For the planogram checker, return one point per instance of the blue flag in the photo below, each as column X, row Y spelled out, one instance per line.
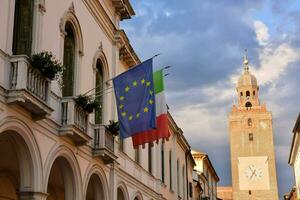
column 135, row 99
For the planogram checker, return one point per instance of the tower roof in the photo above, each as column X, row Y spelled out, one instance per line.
column 246, row 79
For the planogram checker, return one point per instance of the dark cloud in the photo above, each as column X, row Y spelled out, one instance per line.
column 190, row 34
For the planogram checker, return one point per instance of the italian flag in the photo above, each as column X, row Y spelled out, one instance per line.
column 162, row 130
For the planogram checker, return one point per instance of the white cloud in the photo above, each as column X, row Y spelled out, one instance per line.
column 261, row 31
column 274, row 61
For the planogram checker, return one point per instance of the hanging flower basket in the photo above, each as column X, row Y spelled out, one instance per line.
column 86, row 103
column 46, row 63
column 113, row 127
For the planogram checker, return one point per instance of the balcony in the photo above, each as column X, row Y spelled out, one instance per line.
column 104, row 144
column 74, row 122
column 28, row 88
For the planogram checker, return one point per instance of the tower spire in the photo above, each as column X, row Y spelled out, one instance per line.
column 246, row 62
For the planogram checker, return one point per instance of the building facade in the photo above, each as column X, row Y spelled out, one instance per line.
column 251, row 143
column 49, row 147
column 294, row 158
column 207, row 175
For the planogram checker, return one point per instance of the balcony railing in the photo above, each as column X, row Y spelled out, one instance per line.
column 74, row 121
column 104, row 144
column 29, row 88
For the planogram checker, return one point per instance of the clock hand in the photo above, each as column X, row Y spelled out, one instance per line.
column 253, row 173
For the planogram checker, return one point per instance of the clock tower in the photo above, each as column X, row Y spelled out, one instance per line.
column 251, row 143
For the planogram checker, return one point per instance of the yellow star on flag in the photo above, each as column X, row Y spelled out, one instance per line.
column 123, row 114
column 134, row 83
column 143, row 81
column 150, row 92
column 146, row 109
column 122, row 98
column 137, row 115
column 127, row 89
column 130, row 117
column 121, row 106
column 151, row 101
column 148, row 83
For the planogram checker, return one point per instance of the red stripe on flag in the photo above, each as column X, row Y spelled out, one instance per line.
column 162, row 131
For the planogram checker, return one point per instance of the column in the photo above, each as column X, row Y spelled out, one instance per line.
column 28, row 195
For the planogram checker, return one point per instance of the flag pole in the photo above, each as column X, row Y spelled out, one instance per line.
column 114, row 77
column 101, row 91
column 135, row 66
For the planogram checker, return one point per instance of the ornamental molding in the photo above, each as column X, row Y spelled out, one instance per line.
column 69, row 16
column 126, row 52
column 123, row 9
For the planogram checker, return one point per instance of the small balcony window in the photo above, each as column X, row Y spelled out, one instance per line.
column 251, row 137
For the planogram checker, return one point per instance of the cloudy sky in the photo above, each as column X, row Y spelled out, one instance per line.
column 204, row 41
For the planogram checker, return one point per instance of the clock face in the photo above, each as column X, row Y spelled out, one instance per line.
column 253, row 173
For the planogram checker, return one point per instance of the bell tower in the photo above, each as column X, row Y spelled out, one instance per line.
column 247, row 88
column 251, row 143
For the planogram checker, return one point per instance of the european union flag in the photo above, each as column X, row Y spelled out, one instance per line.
column 135, row 99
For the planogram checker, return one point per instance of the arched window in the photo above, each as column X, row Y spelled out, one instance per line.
column 22, row 38
column 162, row 162
column 183, row 182
column 249, row 122
column 178, row 178
column 99, row 91
column 69, row 61
column 241, row 93
column 247, row 93
column 248, row 105
column 137, row 155
column 170, row 166
column 253, row 93
column 150, row 158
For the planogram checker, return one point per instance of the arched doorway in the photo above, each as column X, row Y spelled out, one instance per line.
column 95, row 189
column 120, row 194
column 16, row 166
column 61, row 182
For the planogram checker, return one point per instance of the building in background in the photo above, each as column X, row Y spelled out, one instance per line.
column 294, row 158
column 224, row 192
column 207, row 175
column 251, row 143
column 292, row 195
column 51, row 148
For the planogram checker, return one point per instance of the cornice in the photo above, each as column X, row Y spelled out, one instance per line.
column 101, row 17
column 123, row 9
column 297, row 125
column 127, row 53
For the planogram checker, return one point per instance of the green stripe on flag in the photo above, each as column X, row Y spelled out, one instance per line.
column 158, row 81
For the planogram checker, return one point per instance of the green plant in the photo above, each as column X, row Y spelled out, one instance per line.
column 86, row 103
column 113, row 127
column 46, row 63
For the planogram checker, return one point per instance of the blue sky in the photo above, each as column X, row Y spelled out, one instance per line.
column 204, row 41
